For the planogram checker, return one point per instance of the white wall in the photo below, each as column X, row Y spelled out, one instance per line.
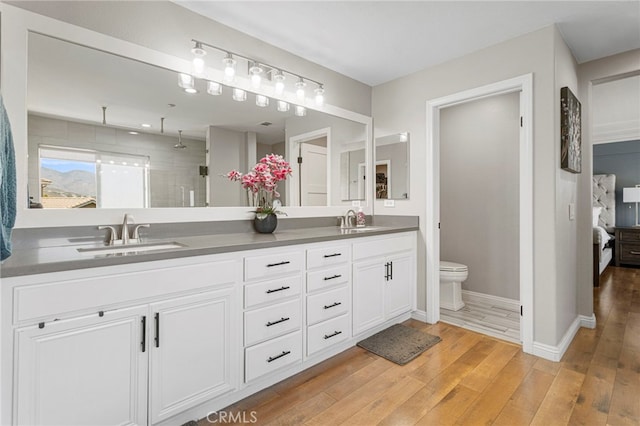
column 479, row 189
column 616, row 110
column 600, row 70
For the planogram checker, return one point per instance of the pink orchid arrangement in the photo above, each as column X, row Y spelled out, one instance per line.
column 261, row 182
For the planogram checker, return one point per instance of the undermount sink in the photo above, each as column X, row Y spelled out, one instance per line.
column 363, row 229
column 130, row 249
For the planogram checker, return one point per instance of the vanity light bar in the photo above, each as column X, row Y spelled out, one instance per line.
column 256, row 70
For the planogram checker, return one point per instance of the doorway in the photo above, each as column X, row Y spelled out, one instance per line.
column 524, row 86
column 311, row 188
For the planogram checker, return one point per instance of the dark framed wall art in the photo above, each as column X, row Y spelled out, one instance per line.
column 570, row 132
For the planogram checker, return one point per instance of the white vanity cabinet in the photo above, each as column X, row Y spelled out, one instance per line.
column 328, row 296
column 85, row 362
column 273, row 311
column 383, row 279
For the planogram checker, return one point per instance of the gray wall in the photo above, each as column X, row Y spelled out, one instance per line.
column 396, row 153
column 170, row 169
column 479, row 192
column 227, row 151
column 623, row 160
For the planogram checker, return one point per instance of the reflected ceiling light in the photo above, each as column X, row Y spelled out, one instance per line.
column 186, row 81
column 198, row 59
column 282, row 106
column 145, row 125
column 279, row 79
column 300, row 85
column 404, row 136
column 319, row 95
column 255, row 71
column 214, row 88
column 239, row 95
column 262, row 101
column 133, row 133
column 191, row 91
column 229, row 67
column 300, row 111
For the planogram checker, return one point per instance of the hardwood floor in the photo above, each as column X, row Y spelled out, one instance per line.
column 473, row 379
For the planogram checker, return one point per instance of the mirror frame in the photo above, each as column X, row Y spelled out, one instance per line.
column 15, row 27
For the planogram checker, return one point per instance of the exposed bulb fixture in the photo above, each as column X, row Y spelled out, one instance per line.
column 239, row 95
column 186, row 81
column 198, row 58
column 279, row 79
column 300, row 85
column 282, row 106
column 319, row 95
column 214, row 88
column 255, row 71
column 229, row 67
column 262, row 101
column 300, row 111
column 179, row 145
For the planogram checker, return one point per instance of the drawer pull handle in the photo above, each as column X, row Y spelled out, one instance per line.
column 333, row 305
column 278, row 289
column 329, row 336
column 273, row 358
column 332, row 255
column 333, row 277
column 283, row 319
column 634, row 252
column 271, row 265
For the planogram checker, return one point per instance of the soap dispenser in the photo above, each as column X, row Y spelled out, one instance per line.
column 360, row 218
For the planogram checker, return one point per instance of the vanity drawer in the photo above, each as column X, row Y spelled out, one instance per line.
column 270, row 265
column 327, row 277
column 327, row 305
column 269, row 356
column 326, row 334
column 265, row 323
column 383, row 246
column 327, row 256
column 271, row 291
column 630, row 253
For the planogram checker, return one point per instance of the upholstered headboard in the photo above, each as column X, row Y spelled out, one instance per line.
column 604, row 195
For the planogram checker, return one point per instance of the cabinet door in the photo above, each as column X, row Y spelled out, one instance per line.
column 191, row 352
column 399, row 288
column 368, row 294
column 88, row 370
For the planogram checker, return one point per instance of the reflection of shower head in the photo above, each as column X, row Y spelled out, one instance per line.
column 179, row 145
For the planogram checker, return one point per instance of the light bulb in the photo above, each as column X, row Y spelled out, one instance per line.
column 279, row 78
column 319, row 95
column 300, row 111
column 256, row 78
column 262, row 101
column 239, row 95
column 214, row 88
column 198, row 60
column 186, row 81
column 190, row 90
column 229, row 67
column 300, row 85
column 282, row 106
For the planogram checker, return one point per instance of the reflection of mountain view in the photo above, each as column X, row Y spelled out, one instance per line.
column 69, row 184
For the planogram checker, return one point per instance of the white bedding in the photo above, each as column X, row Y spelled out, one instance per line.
column 604, row 236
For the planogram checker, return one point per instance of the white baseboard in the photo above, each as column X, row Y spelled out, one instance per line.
column 419, row 315
column 500, row 302
column 588, row 322
column 555, row 353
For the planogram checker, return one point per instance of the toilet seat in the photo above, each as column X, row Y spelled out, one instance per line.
column 452, row 267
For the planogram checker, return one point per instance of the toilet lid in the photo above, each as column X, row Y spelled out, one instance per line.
column 452, row 266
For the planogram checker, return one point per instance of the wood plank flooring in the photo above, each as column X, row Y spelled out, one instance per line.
column 487, row 319
column 474, row 379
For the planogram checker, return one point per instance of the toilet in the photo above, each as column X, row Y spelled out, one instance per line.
column 451, row 277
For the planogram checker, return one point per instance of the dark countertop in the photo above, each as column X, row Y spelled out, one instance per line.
column 39, row 260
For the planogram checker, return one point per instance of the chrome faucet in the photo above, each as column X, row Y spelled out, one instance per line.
column 349, row 219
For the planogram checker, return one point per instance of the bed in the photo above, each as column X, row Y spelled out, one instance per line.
column 604, row 222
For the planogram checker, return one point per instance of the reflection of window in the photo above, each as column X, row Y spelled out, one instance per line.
column 74, row 178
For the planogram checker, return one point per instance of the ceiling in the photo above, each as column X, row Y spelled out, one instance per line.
column 378, row 41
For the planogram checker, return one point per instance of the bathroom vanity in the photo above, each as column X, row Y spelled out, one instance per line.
column 176, row 334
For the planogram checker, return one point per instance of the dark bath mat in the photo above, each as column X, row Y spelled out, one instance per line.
column 399, row 343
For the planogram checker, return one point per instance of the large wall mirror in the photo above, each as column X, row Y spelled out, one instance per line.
column 392, row 166
column 107, row 131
